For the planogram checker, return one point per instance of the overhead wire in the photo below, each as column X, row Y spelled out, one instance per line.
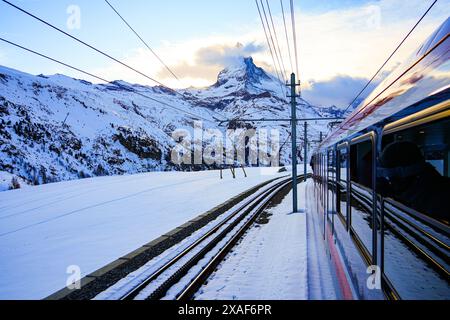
column 103, row 79
column 270, row 49
column 276, row 41
column 294, row 36
column 268, row 41
column 390, row 57
column 294, row 33
column 94, row 48
column 85, row 44
column 142, row 40
column 271, row 38
column 287, row 37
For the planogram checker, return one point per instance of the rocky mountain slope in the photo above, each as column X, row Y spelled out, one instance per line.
column 55, row 128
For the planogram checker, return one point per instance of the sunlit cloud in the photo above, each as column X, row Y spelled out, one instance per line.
column 196, row 62
column 208, row 61
column 218, row 55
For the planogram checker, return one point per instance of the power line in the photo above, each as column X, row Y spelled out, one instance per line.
column 271, row 38
column 95, row 49
column 150, row 49
column 102, row 79
column 287, row 120
column 276, row 40
column 295, row 36
column 259, row 111
column 54, row 60
column 287, row 37
column 268, row 41
column 389, row 58
column 85, row 44
column 270, row 48
column 142, row 40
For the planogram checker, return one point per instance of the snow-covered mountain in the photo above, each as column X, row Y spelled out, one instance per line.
column 56, row 128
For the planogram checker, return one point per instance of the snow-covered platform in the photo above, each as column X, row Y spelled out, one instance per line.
column 283, row 259
column 89, row 223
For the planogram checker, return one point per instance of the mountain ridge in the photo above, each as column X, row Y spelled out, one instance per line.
column 56, row 128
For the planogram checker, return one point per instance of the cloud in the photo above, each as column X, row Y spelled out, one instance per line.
column 224, row 55
column 186, row 70
column 209, row 60
column 339, row 91
column 196, row 62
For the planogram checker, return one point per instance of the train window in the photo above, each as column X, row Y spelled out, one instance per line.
column 415, row 168
column 342, row 183
column 361, row 163
column 361, row 196
column 331, row 183
column 343, row 158
column 415, row 163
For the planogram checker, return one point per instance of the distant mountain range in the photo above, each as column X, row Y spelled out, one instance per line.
column 56, row 128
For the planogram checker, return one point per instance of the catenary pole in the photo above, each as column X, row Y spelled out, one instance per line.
column 305, row 148
column 293, row 97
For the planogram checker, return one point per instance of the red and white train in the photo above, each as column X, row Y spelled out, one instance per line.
column 382, row 181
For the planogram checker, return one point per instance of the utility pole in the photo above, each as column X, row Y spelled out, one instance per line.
column 293, row 97
column 305, row 157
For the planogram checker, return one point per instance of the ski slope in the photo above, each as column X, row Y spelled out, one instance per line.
column 91, row 222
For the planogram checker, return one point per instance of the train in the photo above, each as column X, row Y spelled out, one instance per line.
column 382, row 183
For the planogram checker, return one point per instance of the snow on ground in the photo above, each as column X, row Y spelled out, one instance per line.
column 272, row 261
column 132, row 280
column 91, row 222
column 10, row 181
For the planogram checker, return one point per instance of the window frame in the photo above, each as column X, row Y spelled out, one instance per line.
column 344, row 218
column 331, row 178
column 369, row 254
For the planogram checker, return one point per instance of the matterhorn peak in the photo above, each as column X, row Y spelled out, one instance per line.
column 243, row 74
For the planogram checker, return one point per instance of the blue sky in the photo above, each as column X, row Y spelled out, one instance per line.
column 156, row 21
column 336, row 38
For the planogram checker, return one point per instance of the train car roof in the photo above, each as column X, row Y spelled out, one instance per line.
column 425, row 73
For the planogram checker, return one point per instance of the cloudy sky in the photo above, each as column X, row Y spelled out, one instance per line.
column 341, row 43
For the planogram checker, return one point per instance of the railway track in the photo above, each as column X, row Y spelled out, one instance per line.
column 182, row 275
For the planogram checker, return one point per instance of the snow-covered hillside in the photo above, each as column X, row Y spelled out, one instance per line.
column 56, row 128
